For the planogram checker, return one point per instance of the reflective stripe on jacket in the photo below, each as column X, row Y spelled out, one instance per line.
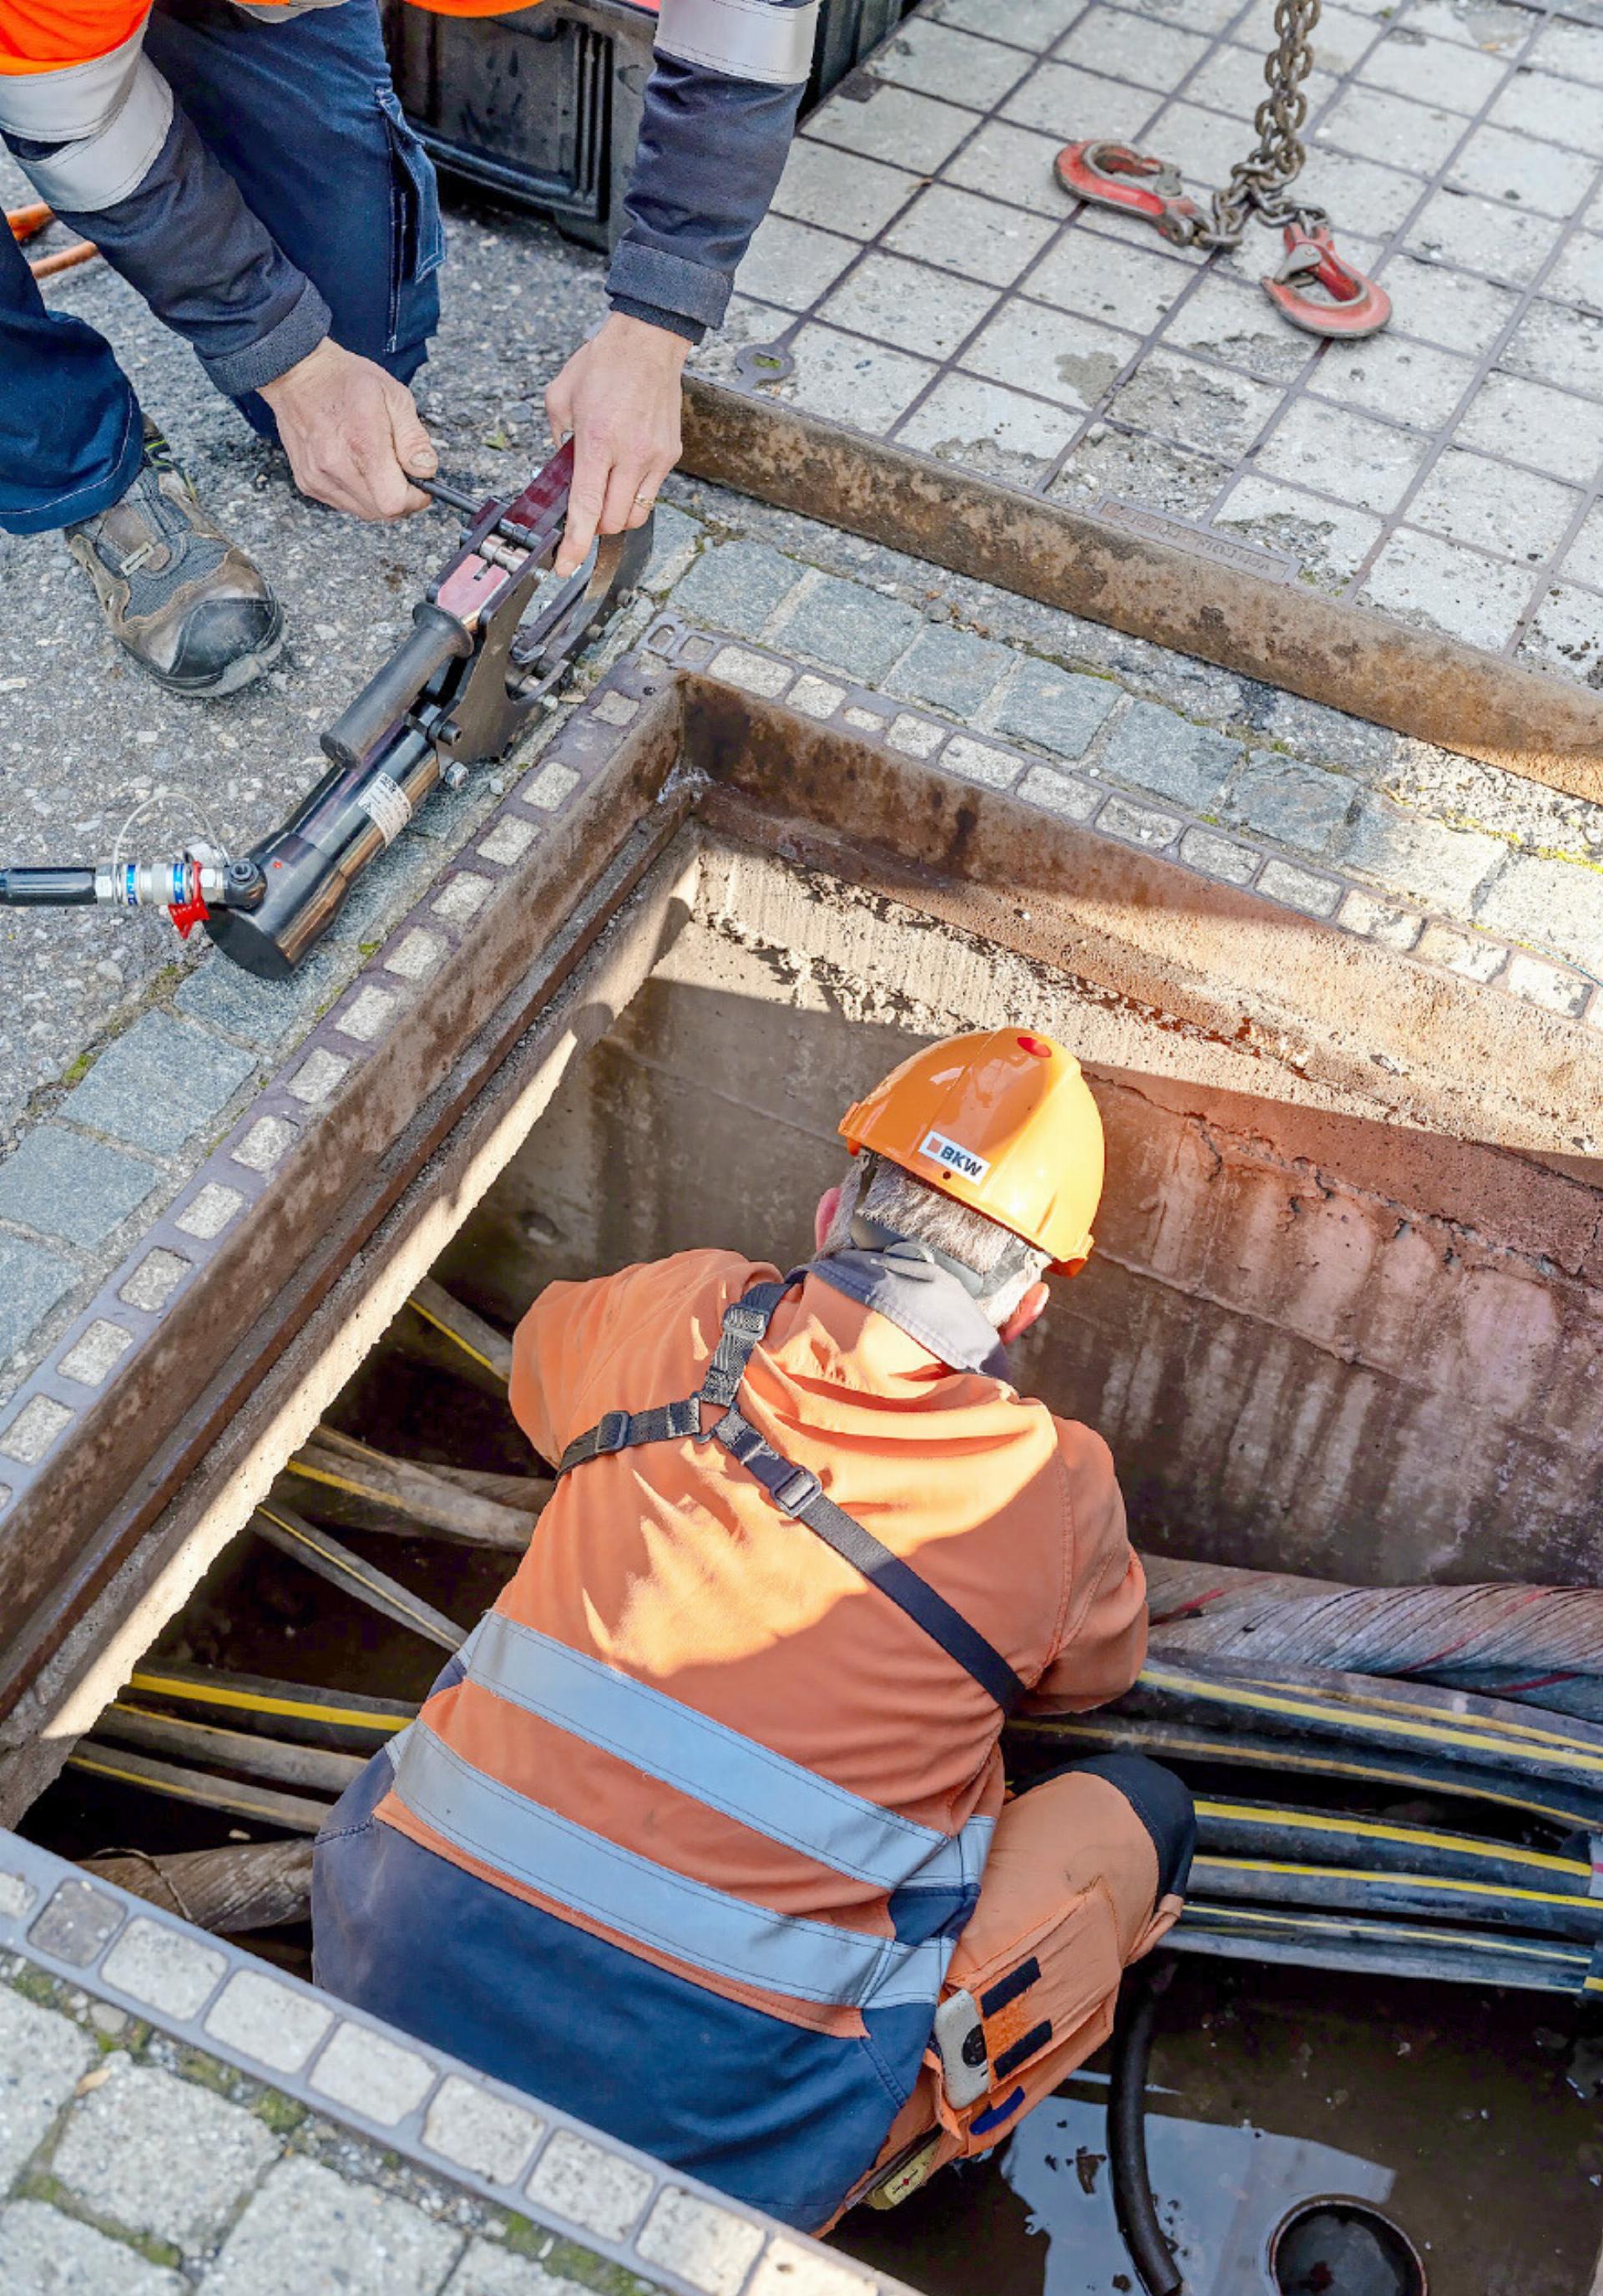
column 694, row 1730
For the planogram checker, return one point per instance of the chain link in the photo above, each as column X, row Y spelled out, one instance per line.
column 1259, row 183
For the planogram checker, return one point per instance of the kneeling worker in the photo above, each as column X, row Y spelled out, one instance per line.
column 704, row 1837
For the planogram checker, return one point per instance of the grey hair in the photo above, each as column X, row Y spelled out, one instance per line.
column 897, row 1201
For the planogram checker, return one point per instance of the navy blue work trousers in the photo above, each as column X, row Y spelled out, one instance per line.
column 308, row 125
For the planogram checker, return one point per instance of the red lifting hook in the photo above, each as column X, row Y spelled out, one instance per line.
column 1113, row 176
column 1358, row 307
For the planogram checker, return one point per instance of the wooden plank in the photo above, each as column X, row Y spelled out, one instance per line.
column 250, row 1885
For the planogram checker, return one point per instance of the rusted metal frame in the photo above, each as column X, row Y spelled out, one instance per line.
column 206, row 1463
column 67, row 1537
column 1132, row 929
column 1327, row 650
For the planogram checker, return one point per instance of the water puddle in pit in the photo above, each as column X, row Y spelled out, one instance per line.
column 1449, row 2110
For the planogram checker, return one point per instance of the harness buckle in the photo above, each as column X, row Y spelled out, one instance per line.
column 612, row 1432
column 803, row 1488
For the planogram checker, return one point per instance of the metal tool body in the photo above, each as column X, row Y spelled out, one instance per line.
column 458, row 691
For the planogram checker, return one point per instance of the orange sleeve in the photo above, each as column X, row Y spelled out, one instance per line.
column 1104, row 1642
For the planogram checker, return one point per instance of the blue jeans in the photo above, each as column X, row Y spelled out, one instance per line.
column 304, row 117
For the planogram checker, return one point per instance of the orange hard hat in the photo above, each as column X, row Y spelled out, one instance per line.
column 1002, row 1121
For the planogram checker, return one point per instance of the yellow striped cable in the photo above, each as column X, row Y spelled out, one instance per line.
column 1472, row 1940
column 391, row 1596
column 259, row 1702
column 239, row 1800
column 467, row 1348
column 1304, row 1710
column 1409, row 1880
column 1373, row 1830
column 1228, row 1750
column 1367, row 1699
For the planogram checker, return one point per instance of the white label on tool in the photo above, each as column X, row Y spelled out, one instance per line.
column 387, row 806
column 963, row 1162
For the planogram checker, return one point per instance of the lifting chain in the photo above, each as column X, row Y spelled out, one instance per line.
column 1112, row 176
column 1258, row 184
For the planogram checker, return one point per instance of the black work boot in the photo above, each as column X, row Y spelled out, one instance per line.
column 185, row 602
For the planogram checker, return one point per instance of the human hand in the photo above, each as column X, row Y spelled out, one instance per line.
column 352, row 435
column 618, row 398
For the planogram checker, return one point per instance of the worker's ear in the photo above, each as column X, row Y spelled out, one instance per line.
column 828, row 1203
column 1029, row 1310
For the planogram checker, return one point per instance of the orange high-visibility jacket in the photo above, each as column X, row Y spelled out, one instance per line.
column 677, row 1664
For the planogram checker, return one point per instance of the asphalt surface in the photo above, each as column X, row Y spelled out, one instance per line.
column 85, row 739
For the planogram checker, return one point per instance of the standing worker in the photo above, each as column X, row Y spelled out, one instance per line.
column 703, row 1837
column 245, row 165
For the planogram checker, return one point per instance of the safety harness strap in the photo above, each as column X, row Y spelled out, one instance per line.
column 795, row 1491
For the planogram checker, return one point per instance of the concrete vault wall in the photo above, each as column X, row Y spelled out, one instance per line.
column 1316, row 1338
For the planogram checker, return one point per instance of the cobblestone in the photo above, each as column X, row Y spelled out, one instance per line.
column 1299, row 889
column 1140, row 825
column 1219, row 856
column 266, row 1141
column 737, row 586
column 93, row 1355
column 307, row 2230
column 209, row 1211
column 263, row 1012
column 1407, row 853
column 1380, row 920
column 1465, row 953
column 163, row 1968
column 950, row 669
column 1298, row 805
column 849, row 628
column 788, row 2270
column 1553, row 903
column 598, row 2190
column 489, row 2136
column 1543, row 984
column 977, row 761
column 1059, row 709
column 486, row 2270
column 708, row 2246
column 268, row 2020
column 159, row 1083
column 368, row 2074
column 60, row 1183
column 1058, row 793
column 34, row 1430
column 1162, row 753
column 44, row 2254
column 154, row 1281
column 161, row 2155
column 43, row 2057
column 31, row 1281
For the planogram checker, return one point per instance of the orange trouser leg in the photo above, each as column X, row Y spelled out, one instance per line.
column 1066, row 1904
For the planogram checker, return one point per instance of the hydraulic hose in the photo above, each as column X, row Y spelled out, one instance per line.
column 1132, row 2203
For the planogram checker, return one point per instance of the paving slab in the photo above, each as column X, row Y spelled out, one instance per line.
column 1459, row 152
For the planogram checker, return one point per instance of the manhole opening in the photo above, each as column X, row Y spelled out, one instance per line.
column 1256, row 1225
column 1343, row 2248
